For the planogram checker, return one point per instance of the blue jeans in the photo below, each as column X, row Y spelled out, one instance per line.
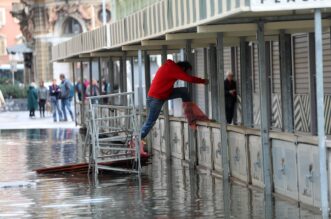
column 154, row 107
column 65, row 105
column 56, row 108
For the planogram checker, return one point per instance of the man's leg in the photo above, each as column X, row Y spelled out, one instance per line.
column 155, row 107
column 40, row 107
column 231, row 113
column 228, row 114
column 59, row 112
column 180, row 92
column 63, row 106
column 54, row 108
column 43, row 103
column 68, row 106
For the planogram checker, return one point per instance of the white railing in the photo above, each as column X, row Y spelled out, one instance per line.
column 155, row 20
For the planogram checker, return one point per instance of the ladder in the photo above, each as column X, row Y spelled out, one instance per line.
column 114, row 136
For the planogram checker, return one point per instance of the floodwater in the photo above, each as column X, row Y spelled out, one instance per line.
column 163, row 191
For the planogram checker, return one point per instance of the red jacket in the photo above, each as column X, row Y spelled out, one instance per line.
column 165, row 78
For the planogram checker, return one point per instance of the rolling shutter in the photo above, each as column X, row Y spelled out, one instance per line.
column 2, row 17
column 227, row 59
column 301, row 64
column 199, row 90
column 275, row 68
column 256, row 85
column 327, row 63
column 237, row 73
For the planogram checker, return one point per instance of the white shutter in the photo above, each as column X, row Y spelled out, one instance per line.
column 2, row 16
column 275, row 68
column 327, row 62
column 3, row 45
column 200, row 72
column 301, row 64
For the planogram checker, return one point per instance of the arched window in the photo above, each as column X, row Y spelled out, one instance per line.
column 71, row 26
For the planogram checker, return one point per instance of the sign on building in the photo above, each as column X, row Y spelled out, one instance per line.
column 282, row 5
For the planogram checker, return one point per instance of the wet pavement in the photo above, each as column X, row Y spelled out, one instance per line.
column 163, row 191
column 21, row 120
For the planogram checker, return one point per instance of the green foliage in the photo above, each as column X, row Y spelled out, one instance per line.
column 14, row 91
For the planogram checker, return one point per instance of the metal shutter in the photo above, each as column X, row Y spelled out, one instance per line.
column 238, row 70
column 301, row 64
column 275, row 68
column 227, row 59
column 327, row 63
column 256, row 85
column 199, row 90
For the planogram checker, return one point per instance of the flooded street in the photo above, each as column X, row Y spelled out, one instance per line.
column 163, row 191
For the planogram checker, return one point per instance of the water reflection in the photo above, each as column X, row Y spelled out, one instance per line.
column 165, row 190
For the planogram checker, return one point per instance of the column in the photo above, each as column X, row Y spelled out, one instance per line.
column 192, row 135
column 221, row 94
column 246, row 83
column 111, row 74
column 320, row 114
column 285, row 58
column 265, row 109
column 132, row 73
column 100, row 75
column 91, row 70
column 213, row 83
column 147, row 65
column 74, row 84
column 312, row 83
column 166, row 113
column 82, row 105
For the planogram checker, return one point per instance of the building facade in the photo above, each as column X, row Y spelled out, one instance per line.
column 10, row 33
column 45, row 23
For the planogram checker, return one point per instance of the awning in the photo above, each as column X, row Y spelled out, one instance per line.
column 20, row 48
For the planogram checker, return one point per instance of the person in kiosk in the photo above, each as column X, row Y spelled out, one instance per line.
column 162, row 89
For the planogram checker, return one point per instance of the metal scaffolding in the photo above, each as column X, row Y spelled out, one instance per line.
column 113, row 133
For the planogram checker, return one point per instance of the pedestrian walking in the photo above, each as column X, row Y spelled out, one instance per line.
column 71, row 93
column 230, row 96
column 65, row 97
column 54, row 93
column 79, row 89
column 86, row 83
column 93, row 90
column 2, row 100
column 32, row 100
column 105, row 89
column 42, row 98
column 162, row 89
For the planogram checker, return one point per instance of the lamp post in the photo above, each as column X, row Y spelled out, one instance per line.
column 104, row 16
column 13, row 68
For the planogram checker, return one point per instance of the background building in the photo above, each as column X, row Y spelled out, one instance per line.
column 10, row 33
column 48, row 22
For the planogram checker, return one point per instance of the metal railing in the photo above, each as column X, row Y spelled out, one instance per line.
column 113, row 136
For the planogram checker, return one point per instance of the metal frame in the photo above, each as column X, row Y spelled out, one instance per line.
column 115, row 137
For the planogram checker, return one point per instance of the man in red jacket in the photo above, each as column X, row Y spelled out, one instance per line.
column 162, row 89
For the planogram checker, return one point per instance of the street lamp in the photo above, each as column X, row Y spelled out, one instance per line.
column 13, row 68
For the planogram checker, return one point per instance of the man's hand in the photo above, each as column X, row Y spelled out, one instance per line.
column 206, row 81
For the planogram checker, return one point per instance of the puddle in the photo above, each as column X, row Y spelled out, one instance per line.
column 163, row 191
